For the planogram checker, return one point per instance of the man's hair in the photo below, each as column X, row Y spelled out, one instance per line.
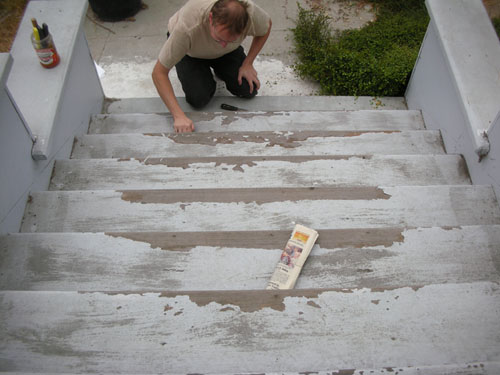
column 233, row 14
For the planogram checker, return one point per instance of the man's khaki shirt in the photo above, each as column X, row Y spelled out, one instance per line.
column 189, row 30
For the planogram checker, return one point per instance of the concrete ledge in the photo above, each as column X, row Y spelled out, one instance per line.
column 39, row 93
column 52, row 105
column 456, row 84
column 473, row 57
column 5, row 67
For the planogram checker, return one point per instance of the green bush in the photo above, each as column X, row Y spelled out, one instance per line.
column 496, row 25
column 376, row 60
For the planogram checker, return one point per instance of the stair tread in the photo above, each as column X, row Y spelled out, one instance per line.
column 471, row 368
column 258, row 171
column 348, row 258
column 305, row 142
column 262, row 121
column 259, row 208
column 240, row 331
column 263, row 103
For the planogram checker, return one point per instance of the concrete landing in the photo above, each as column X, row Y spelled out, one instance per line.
column 127, row 50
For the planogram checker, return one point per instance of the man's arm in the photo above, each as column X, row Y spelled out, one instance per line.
column 182, row 123
column 247, row 70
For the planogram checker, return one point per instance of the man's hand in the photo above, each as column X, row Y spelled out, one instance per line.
column 248, row 72
column 183, row 124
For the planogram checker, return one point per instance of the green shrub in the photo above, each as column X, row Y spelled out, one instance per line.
column 496, row 25
column 376, row 60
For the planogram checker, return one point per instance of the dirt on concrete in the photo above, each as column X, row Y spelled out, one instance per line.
column 11, row 12
column 492, row 7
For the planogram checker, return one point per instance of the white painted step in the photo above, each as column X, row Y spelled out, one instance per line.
column 250, row 331
column 263, row 103
column 262, row 121
column 241, row 172
column 257, row 143
column 259, row 209
column 354, row 258
column 474, row 368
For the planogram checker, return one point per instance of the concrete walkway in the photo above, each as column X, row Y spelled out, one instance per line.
column 127, row 50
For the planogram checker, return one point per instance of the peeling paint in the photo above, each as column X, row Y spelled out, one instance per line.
column 185, row 163
column 344, row 372
column 231, row 117
column 451, row 228
column 248, row 195
column 239, row 167
column 285, row 139
column 250, row 300
column 328, row 238
column 313, row 304
column 415, row 288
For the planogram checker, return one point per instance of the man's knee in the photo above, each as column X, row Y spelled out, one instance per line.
column 200, row 98
column 248, row 95
column 241, row 91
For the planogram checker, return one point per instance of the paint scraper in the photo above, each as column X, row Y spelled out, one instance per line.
column 228, row 107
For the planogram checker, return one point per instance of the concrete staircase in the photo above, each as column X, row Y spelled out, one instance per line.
column 151, row 251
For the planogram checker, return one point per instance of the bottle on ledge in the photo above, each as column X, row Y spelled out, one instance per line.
column 44, row 45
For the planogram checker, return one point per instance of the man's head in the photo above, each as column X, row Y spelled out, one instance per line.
column 231, row 15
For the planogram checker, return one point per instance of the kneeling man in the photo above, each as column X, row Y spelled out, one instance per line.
column 205, row 35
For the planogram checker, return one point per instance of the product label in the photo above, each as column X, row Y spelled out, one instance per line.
column 46, row 55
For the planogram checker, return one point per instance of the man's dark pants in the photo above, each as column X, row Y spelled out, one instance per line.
column 198, row 82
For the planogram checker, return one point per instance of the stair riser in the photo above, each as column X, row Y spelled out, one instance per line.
column 262, row 121
column 198, row 173
column 217, row 332
column 260, row 209
column 155, row 261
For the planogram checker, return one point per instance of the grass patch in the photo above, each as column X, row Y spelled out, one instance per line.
column 11, row 12
column 375, row 60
